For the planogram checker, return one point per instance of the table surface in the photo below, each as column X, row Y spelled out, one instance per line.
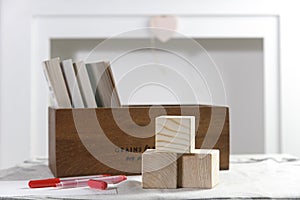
column 250, row 176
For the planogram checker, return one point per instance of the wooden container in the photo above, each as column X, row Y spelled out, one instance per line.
column 111, row 140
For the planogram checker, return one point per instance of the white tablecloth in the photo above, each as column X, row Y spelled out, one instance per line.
column 250, row 176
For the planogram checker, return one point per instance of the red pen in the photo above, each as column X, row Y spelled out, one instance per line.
column 51, row 182
column 84, row 182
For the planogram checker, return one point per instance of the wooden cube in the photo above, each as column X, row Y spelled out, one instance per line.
column 159, row 169
column 199, row 169
column 175, row 134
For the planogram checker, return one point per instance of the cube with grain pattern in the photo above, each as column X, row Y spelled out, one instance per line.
column 159, row 169
column 199, row 169
column 175, row 134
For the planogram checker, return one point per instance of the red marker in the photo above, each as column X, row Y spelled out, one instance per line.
column 52, row 182
column 84, row 182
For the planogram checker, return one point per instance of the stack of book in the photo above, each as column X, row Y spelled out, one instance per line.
column 81, row 85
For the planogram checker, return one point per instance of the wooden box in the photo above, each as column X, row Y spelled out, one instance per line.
column 111, row 140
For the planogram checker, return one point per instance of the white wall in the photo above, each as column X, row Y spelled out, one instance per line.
column 1, row 30
column 15, row 82
column 15, row 39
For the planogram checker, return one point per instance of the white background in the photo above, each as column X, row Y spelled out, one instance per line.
column 16, row 54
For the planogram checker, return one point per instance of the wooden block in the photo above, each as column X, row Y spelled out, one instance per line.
column 175, row 133
column 159, row 169
column 199, row 169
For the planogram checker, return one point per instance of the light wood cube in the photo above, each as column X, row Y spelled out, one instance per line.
column 159, row 169
column 175, row 134
column 199, row 169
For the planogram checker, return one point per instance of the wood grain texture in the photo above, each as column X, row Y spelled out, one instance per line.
column 69, row 157
column 175, row 134
column 52, row 140
column 159, row 169
column 199, row 169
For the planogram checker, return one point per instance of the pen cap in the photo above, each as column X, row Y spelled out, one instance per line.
column 43, row 183
column 97, row 184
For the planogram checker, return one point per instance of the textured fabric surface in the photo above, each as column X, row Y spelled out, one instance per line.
column 250, row 176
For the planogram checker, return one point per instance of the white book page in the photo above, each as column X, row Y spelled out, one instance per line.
column 72, row 83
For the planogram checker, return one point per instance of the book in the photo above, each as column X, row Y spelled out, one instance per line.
column 87, row 93
column 72, row 84
column 103, row 83
column 56, row 83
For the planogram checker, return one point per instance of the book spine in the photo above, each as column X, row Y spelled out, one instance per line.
column 53, row 98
